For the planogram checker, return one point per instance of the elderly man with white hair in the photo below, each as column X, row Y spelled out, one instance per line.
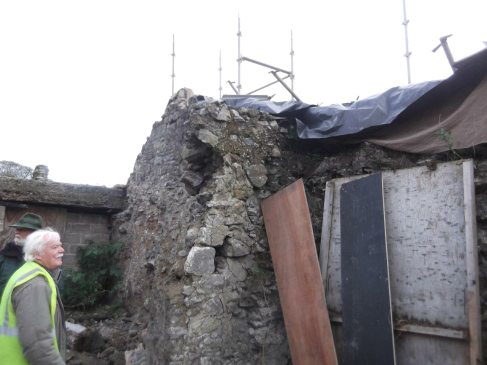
column 32, row 327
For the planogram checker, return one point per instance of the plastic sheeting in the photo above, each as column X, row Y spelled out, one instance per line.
column 342, row 119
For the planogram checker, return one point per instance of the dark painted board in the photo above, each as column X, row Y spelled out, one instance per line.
column 367, row 329
column 52, row 217
column 295, row 261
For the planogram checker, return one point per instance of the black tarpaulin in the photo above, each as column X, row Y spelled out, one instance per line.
column 342, row 119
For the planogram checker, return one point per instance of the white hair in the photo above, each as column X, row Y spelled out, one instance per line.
column 36, row 241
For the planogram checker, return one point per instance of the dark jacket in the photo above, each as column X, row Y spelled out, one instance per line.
column 11, row 259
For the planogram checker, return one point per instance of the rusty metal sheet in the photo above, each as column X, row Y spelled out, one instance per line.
column 295, row 260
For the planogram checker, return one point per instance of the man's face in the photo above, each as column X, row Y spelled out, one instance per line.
column 51, row 256
column 20, row 236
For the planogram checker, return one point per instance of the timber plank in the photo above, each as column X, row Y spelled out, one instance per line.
column 368, row 337
column 52, row 216
column 430, row 219
column 295, row 260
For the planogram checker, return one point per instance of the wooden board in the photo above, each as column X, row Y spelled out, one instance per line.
column 367, row 326
column 430, row 218
column 52, row 217
column 409, row 345
column 2, row 218
column 295, row 260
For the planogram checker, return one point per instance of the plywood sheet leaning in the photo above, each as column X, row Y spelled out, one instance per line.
column 433, row 262
column 296, row 266
column 368, row 336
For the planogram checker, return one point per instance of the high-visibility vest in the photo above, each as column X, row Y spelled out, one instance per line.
column 10, row 348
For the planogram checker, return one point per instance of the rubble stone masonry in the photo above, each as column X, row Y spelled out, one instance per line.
column 197, row 268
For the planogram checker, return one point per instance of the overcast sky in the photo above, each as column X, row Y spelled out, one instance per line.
column 82, row 82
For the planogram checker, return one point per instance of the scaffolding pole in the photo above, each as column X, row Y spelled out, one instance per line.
column 266, row 65
column 233, row 87
column 239, row 60
column 292, row 62
column 407, row 54
column 446, row 48
column 285, row 86
column 220, row 70
column 173, row 54
column 272, row 83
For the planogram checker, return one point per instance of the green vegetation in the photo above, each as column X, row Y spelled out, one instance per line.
column 447, row 137
column 97, row 278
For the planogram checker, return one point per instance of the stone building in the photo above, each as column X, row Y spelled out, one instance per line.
column 80, row 213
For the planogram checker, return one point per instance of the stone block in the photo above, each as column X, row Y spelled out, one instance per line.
column 257, row 175
column 200, row 261
column 237, row 269
column 206, row 136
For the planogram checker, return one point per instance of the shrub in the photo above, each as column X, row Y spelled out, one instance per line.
column 97, row 278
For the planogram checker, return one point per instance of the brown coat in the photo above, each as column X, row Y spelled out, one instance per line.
column 31, row 304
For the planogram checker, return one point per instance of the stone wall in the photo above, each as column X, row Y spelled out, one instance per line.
column 82, row 229
column 197, row 267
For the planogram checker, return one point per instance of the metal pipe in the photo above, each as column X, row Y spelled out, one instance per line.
column 233, row 87
column 407, row 54
column 446, row 48
column 266, row 65
column 173, row 55
column 292, row 62
column 285, row 86
column 220, row 71
column 239, row 59
column 263, row 87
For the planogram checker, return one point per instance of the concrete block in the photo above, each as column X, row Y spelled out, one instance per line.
column 79, row 228
column 73, row 218
column 69, row 261
column 72, row 238
column 90, row 218
column 73, row 249
column 99, row 229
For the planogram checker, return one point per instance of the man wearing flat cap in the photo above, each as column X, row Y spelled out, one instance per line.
column 12, row 256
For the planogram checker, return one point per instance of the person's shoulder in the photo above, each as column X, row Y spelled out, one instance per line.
column 35, row 282
column 38, row 280
column 6, row 247
column 35, row 287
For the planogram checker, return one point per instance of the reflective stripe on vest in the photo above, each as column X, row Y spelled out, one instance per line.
column 10, row 348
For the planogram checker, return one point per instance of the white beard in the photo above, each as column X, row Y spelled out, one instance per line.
column 19, row 241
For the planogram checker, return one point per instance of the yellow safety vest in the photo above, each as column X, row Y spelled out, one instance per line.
column 10, row 348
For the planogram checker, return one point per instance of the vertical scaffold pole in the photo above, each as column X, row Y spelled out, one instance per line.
column 407, row 54
column 220, row 70
column 239, row 60
column 173, row 55
column 292, row 62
